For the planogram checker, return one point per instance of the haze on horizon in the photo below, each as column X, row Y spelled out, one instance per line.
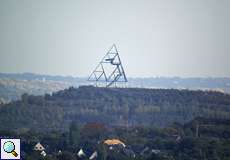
column 154, row 37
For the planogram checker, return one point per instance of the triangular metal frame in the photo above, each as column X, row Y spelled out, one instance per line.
column 117, row 74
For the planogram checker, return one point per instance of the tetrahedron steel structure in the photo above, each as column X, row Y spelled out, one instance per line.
column 110, row 70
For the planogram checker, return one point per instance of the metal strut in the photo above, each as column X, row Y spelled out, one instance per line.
column 110, row 70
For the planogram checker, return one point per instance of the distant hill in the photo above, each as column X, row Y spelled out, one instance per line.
column 12, row 86
column 112, row 106
column 195, row 83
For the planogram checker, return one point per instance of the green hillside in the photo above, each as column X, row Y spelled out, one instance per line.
column 112, row 106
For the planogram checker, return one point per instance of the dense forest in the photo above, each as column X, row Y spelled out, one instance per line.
column 113, row 107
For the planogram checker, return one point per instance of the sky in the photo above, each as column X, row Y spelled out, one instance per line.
column 185, row 38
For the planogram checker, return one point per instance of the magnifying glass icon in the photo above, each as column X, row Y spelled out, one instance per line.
column 9, row 147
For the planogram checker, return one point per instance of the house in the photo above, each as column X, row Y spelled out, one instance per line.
column 93, row 156
column 81, row 153
column 43, row 153
column 112, row 142
column 39, row 147
column 59, row 152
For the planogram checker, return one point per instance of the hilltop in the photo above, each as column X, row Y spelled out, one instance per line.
column 12, row 86
column 112, row 107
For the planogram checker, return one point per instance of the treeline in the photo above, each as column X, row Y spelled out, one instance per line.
column 112, row 106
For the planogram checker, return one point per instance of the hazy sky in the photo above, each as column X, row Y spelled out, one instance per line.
column 155, row 38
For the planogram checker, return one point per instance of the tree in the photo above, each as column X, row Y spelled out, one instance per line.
column 74, row 134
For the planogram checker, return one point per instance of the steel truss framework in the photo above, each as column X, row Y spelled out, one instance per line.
column 115, row 73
